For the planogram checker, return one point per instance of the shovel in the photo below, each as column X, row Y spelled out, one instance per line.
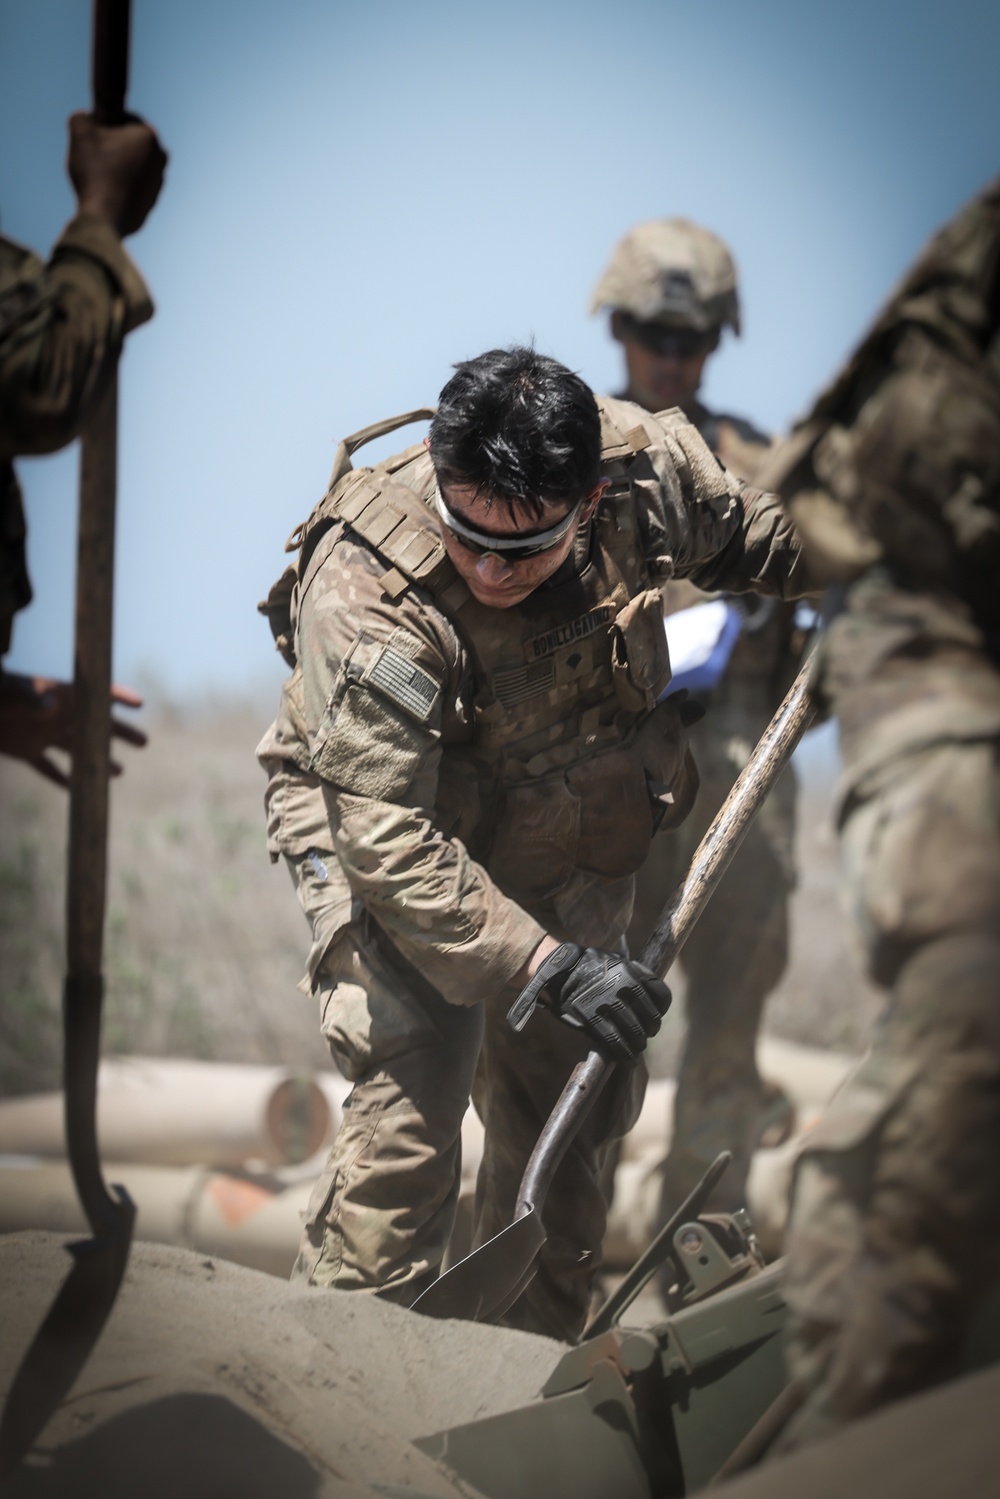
column 76, row 1318
column 490, row 1279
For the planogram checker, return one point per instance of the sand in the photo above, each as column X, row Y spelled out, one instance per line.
column 212, row 1380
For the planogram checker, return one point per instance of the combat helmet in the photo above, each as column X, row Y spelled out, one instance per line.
column 674, row 273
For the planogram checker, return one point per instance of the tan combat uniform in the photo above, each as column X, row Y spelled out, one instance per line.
column 894, row 1236
column 61, row 325
column 739, row 948
column 486, row 776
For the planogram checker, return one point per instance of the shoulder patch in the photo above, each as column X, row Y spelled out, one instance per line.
column 403, row 682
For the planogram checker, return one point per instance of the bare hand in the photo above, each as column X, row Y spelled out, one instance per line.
column 116, row 170
column 36, row 714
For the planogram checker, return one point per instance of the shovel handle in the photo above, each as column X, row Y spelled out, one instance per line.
column 732, row 822
column 575, row 1102
column 86, row 884
column 87, row 859
column 109, row 62
column 710, row 862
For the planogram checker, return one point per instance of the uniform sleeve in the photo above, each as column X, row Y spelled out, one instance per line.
column 699, row 521
column 380, row 679
column 61, row 325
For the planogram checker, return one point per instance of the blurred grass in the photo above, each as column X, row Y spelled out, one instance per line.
column 205, row 942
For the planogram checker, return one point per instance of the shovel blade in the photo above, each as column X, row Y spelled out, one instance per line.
column 65, row 1340
column 491, row 1278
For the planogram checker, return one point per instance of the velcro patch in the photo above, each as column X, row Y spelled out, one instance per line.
column 515, row 684
column 403, row 682
column 574, row 629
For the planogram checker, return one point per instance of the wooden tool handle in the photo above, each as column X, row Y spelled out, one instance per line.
column 109, row 63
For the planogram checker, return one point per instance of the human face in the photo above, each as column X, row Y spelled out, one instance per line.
column 495, row 579
column 660, row 378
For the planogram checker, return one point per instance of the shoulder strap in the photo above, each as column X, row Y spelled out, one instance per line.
column 349, row 446
column 394, row 520
column 618, row 444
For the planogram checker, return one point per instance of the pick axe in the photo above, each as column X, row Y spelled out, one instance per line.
column 489, row 1280
column 77, row 1317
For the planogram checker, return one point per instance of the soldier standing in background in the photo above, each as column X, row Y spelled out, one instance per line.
column 672, row 290
column 894, row 484
column 61, row 328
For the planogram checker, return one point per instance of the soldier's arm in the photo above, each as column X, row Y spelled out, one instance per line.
column 380, row 682
column 62, row 324
column 702, row 522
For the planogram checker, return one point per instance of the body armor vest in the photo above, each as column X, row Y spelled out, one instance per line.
column 567, row 761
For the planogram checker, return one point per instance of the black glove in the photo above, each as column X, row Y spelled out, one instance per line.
column 618, row 1002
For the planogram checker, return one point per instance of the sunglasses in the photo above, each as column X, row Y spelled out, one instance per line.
column 676, row 343
column 510, row 548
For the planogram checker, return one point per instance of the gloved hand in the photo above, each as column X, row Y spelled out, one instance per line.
column 618, row 1002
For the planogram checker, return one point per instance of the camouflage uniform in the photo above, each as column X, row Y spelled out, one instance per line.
column 448, row 782
column 61, row 325
column 678, row 275
column 894, row 1235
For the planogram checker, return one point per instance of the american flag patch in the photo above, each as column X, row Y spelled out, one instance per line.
column 403, row 682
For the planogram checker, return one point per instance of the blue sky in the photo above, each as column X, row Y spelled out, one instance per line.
column 360, row 195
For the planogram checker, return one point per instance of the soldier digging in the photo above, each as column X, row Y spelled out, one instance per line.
column 472, row 757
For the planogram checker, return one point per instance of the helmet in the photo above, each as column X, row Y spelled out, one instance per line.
column 672, row 272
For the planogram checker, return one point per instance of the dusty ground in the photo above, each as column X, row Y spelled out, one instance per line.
column 204, row 952
column 205, row 940
column 213, row 1381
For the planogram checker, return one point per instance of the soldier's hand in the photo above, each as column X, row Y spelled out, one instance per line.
column 116, row 170
column 36, row 715
column 618, row 1002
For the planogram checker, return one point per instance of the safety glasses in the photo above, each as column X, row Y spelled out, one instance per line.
column 510, row 548
column 669, row 343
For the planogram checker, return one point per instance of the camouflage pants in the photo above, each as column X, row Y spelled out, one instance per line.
column 382, row 1213
column 894, row 1236
column 732, row 960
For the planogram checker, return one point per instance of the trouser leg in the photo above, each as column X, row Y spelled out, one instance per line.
column 895, row 1230
column 895, row 1224
column 380, row 1216
column 733, row 959
column 519, row 1079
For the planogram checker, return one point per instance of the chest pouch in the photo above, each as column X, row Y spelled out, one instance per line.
column 597, row 815
column 661, row 747
column 538, row 831
column 640, row 658
column 616, row 823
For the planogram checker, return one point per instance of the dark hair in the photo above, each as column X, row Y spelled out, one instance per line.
column 520, row 427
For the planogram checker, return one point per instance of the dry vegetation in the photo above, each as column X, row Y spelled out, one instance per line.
column 204, row 937
column 205, row 940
